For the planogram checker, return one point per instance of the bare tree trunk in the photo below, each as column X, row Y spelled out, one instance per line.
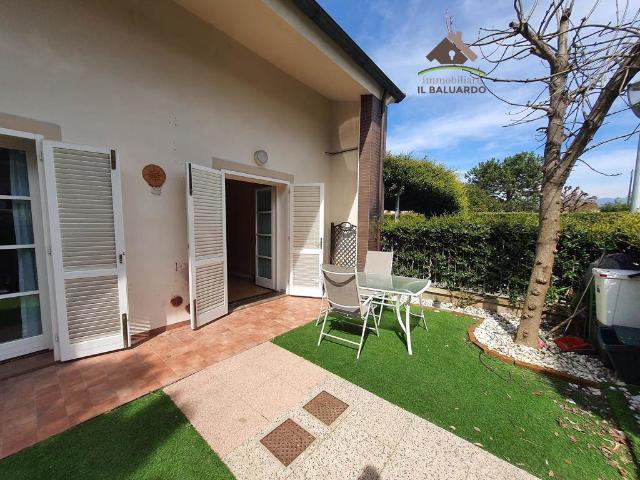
column 584, row 80
column 548, row 233
column 551, row 193
column 556, row 170
column 397, row 212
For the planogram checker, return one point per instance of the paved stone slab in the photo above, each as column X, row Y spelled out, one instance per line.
column 287, row 441
column 371, row 439
column 325, row 407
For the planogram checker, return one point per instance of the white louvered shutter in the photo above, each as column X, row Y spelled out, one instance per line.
column 307, row 228
column 207, row 244
column 87, row 248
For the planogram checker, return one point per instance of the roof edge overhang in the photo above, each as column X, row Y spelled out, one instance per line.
column 324, row 21
column 301, row 40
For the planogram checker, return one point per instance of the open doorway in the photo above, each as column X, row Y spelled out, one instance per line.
column 251, row 240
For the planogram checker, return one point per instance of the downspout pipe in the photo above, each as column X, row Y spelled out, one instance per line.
column 385, row 97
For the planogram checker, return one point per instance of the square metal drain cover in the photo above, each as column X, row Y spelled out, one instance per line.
column 325, row 407
column 287, row 441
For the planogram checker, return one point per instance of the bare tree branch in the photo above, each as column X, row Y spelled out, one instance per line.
column 616, row 84
column 574, row 199
column 584, row 65
column 598, row 171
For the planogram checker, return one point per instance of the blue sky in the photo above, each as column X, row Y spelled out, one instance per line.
column 462, row 130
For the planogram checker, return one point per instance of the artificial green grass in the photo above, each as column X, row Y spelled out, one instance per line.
column 518, row 415
column 148, row 438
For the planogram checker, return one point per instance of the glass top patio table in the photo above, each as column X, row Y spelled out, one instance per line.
column 392, row 283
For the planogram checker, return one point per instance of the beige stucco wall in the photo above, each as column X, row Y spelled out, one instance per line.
column 161, row 86
column 342, row 204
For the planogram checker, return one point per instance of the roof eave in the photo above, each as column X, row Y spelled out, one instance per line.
column 330, row 27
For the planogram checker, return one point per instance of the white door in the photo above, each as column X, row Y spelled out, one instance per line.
column 87, row 247
column 207, row 244
column 265, row 237
column 23, row 279
column 307, row 230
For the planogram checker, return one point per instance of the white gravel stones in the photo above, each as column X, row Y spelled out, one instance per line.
column 497, row 332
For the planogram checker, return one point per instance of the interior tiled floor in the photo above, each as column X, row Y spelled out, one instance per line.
column 240, row 288
column 236, row 403
column 38, row 404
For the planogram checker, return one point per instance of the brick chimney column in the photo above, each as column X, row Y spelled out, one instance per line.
column 370, row 161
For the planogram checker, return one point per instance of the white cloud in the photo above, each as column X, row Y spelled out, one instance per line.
column 454, row 126
column 461, row 174
column 462, row 131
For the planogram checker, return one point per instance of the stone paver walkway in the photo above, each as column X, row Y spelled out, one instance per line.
column 236, row 402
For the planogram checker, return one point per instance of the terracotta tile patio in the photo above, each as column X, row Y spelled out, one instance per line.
column 38, row 404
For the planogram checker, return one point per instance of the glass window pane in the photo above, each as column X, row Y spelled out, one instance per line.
column 264, row 246
column 18, row 270
column 15, row 222
column 264, row 267
column 264, row 200
column 264, row 223
column 14, row 179
column 19, row 318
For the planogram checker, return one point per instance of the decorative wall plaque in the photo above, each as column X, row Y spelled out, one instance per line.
column 154, row 175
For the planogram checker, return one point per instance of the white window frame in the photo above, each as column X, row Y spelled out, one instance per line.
column 263, row 281
column 39, row 218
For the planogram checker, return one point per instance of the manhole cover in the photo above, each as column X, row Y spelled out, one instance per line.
column 287, row 441
column 325, row 407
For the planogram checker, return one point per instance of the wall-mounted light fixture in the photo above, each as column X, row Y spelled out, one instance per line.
column 261, row 157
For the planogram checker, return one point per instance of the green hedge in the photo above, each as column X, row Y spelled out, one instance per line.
column 425, row 186
column 493, row 252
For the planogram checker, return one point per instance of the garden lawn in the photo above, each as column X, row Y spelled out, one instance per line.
column 625, row 419
column 148, row 438
column 525, row 418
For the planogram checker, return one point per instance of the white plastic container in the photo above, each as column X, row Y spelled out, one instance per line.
column 617, row 297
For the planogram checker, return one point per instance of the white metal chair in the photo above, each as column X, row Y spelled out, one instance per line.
column 421, row 317
column 323, row 306
column 378, row 262
column 344, row 300
column 382, row 263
